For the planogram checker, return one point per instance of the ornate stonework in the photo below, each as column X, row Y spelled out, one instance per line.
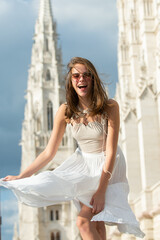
column 138, row 94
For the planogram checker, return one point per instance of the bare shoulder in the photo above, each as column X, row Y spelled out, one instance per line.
column 113, row 107
column 113, row 103
column 62, row 107
column 60, row 115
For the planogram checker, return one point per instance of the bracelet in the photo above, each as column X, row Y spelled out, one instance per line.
column 109, row 174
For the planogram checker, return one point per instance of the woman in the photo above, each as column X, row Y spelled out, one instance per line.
column 94, row 177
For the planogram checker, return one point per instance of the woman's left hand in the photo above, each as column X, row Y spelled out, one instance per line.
column 98, row 202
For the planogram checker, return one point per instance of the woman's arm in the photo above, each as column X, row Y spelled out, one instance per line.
column 51, row 148
column 98, row 199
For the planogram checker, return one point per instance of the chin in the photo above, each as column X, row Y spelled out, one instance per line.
column 83, row 95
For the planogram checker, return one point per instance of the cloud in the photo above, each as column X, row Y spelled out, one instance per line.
column 10, row 210
column 5, row 7
column 25, row 2
column 85, row 15
column 9, row 207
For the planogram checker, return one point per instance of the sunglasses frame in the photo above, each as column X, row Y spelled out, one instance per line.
column 85, row 75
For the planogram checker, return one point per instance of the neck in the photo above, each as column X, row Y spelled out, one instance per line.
column 84, row 104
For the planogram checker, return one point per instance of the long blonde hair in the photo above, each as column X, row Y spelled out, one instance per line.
column 99, row 97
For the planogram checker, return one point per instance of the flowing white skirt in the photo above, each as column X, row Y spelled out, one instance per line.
column 77, row 179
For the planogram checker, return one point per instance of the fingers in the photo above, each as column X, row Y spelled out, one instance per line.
column 6, row 178
column 94, row 210
column 97, row 208
column 94, row 206
column 98, row 203
column 9, row 178
column 91, row 202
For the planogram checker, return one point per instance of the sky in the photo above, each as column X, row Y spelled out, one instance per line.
column 86, row 28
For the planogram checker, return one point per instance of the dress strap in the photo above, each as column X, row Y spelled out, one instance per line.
column 104, row 122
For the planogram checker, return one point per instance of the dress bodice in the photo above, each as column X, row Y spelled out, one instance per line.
column 91, row 137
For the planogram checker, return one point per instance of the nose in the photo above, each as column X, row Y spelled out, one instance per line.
column 81, row 76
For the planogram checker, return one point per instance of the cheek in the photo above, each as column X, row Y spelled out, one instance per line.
column 73, row 84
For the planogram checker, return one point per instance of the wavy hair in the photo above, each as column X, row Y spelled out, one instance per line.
column 99, row 97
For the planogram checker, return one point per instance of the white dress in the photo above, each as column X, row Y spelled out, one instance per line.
column 77, row 179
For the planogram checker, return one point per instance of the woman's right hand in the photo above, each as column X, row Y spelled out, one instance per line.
column 10, row 178
column 47, row 155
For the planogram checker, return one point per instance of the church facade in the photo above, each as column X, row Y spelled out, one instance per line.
column 138, row 94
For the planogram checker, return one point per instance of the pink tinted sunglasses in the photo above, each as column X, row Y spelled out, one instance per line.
column 85, row 75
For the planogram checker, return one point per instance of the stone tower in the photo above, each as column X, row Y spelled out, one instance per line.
column 138, row 94
column 45, row 92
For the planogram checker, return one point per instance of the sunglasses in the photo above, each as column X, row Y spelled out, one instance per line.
column 85, row 75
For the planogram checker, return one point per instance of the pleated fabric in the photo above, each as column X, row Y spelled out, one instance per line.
column 77, row 179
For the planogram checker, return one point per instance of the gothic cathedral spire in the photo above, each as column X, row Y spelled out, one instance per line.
column 45, row 12
column 45, row 92
column 44, row 81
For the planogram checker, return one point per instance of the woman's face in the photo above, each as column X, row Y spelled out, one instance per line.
column 81, row 81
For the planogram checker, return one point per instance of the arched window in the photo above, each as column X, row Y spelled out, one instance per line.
column 48, row 75
column 46, row 45
column 38, row 125
column 52, row 236
column 50, row 116
column 58, row 237
column 57, row 215
column 51, row 215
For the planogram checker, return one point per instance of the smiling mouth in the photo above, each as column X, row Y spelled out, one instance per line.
column 82, row 87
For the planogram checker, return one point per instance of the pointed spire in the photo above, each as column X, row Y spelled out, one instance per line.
column 45, row 11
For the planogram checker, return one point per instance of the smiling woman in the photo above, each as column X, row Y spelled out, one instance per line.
column 83, row 82
column 94, row 176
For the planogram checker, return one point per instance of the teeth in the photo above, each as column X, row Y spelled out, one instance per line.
column 82, row 86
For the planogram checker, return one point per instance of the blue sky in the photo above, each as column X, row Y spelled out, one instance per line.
column 86, row 28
